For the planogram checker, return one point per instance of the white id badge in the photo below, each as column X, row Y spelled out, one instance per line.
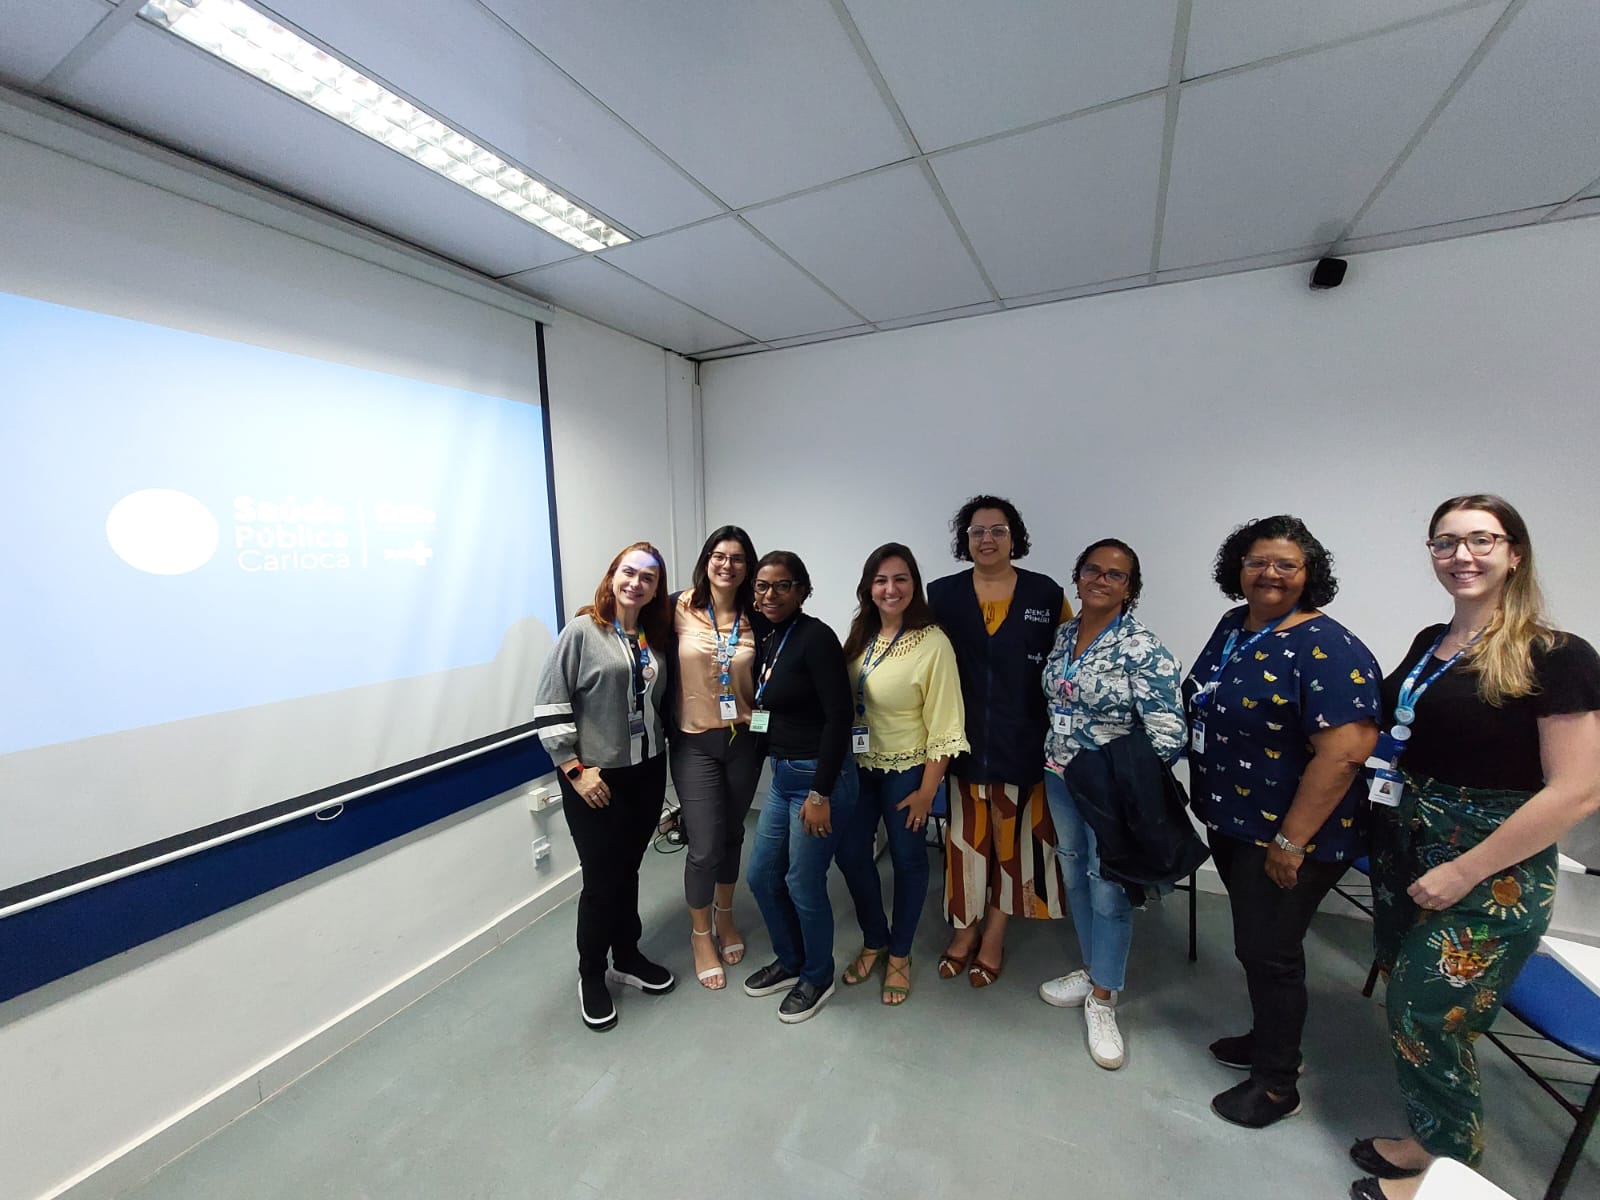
column 860, row 740
column 1386, row 787
column 759, row 719
column 1061, row 720
column 1197, row 737
column 728, row 707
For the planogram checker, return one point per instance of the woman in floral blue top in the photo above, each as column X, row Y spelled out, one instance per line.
column 1107, row 675
column 1283, row 706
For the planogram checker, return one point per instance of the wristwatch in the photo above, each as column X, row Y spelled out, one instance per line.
column 572, row 773
column 1288, row 847
column 816, row 799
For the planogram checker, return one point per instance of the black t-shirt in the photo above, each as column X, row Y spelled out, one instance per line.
column 808, row 697
column 1459, row 739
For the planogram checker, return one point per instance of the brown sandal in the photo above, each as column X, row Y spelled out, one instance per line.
column 950, row 966
column 980, row 975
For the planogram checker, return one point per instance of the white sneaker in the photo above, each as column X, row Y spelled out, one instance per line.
column 1105, row 1039
column 1069, row 991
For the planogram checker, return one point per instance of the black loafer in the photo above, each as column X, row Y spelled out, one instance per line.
column 1366, row 1189
column 1365, row 1155
column 774, row 977
column 803, row 1002
column 1248, row 1104
column 595, row 1004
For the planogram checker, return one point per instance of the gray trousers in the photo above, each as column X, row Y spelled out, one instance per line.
column 715, row 778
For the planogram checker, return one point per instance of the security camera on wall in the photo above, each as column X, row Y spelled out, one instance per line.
column 1328, row 273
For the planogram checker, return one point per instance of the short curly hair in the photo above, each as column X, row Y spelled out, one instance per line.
column 1135, row 576
column 1321, row 584
column 958, row 526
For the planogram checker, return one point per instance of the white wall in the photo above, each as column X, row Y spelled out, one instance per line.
column 1166, row 416
column 114, row 1070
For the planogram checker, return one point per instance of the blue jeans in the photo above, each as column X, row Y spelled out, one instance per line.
column 788, row 872
column 1101, row 911
column 908, row 851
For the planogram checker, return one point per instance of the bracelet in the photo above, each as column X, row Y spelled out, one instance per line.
column 1288, row 847
column 817, row 800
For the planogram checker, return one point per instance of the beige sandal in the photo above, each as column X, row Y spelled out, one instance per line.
column 733, row 952
column 705, row 977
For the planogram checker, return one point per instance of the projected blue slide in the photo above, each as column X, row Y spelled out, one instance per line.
column 195, row 526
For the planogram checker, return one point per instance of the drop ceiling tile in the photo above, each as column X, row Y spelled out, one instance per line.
column 1099, row 288
column 602, row 293
column 961, row 70
column 882, row 242
column 1523, row 130
column 37, row 34
column 1284, row 156
column 151, row 82
column 485, row 80
column 1064, row 205
column 755, row 99
column 723, row 269
column 1226, row 33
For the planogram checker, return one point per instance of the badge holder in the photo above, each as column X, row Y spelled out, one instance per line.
column 860, row 740
column 759, row 719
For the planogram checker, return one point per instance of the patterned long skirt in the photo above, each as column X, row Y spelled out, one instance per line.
column 1449, row 970
column 1001, row 851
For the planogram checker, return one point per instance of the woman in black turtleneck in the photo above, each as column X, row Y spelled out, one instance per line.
column 802, row 711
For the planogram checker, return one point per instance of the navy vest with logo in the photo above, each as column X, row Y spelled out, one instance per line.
column 1006, row 715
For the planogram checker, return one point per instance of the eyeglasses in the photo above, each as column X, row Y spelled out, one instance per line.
column 721, row 559
column 1479, row 543
column 998, row 532
column 1283, row 566
column 1091, row 572
column 782, row 586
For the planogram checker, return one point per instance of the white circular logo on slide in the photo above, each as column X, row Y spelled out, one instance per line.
column 162, row 532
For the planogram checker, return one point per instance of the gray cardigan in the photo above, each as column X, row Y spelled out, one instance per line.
column 586, row 692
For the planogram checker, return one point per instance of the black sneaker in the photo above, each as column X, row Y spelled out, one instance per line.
column 802, row 1002
column 774, row 977
column 1248, row 1104
column 1236, row 1052
column 638, row 971
column 594, row 1002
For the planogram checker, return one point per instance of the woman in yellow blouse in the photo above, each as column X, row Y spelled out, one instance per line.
column 909, row 721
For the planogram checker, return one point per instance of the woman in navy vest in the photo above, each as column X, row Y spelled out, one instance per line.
column 1001, row 859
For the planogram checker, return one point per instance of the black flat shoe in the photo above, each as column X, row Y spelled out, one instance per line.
column 1365, row 1155
column 1249, row 1104
column 774, row 977
column 1366, row 1189
column 639, row 972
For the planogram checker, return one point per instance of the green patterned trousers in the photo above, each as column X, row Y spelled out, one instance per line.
column 1449, row 970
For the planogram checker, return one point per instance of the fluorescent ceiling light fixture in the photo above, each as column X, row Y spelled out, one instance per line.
column 242, row 36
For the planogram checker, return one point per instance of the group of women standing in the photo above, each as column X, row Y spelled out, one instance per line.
column 1459, row 771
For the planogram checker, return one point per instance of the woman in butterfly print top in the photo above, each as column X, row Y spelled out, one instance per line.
column 1282, row 706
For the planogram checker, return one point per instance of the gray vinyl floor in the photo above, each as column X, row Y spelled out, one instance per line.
column 491, row 1087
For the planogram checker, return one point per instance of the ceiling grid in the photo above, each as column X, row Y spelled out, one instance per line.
column 801, row 170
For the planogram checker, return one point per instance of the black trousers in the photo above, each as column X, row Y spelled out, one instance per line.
column 716, row 778
column 611, row 842
column 1269, row 933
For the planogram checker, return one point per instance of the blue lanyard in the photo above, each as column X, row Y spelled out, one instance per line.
column 868, row 665
column 639, row 663
column 1070, row 671
column 1204, row 694
column 1405, row 709
column 725, row 650
column 766, row 672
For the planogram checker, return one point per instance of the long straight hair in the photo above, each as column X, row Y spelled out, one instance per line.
column 864, row 626
column 654, row 617
column 1503, row 656
column 744, row 597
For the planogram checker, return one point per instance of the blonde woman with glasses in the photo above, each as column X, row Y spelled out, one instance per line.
column 1492, row 753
